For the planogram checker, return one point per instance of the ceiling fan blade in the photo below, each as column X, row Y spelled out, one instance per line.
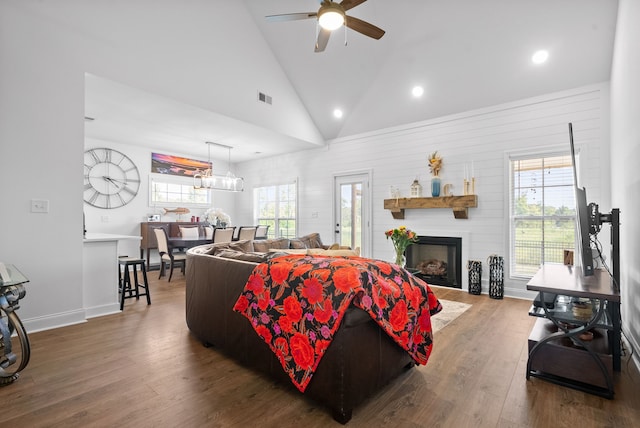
column 323, row 39
column 350, row 4
column 364, row 27
column 290, row 16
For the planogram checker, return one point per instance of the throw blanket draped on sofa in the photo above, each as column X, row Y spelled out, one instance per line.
column 296, row 303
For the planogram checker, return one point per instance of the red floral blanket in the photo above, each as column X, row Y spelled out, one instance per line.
column 296, row 303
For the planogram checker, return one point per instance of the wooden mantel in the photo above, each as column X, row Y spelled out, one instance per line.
column 459, row 204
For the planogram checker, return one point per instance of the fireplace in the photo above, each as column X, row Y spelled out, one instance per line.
column 437, row 260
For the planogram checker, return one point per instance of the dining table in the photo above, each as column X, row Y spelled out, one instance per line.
column 182, row 243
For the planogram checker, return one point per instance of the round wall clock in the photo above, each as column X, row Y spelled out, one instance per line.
column 111, row 179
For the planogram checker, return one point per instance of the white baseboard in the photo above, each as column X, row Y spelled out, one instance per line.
column 98, row 311
column 635, row 346
column 49, row 322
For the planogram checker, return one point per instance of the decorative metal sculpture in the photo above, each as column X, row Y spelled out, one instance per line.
column 496, row 276
column 475, row 276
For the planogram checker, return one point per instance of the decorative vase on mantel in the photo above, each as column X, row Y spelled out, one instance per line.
column 435, row 186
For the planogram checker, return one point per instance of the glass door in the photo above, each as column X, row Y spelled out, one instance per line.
column 352, row 211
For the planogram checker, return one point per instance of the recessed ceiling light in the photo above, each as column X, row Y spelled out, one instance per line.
column 540, row 56
column 337, row 113
column 417, row 91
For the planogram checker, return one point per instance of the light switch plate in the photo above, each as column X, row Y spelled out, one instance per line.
column 39, row 205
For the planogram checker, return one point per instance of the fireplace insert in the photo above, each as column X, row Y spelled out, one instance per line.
column 436, row 260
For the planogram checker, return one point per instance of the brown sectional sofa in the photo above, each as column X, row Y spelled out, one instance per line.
column 360, row 360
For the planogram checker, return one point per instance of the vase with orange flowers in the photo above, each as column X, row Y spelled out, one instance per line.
column 401, row 238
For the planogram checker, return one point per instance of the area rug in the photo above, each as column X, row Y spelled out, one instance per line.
column 450, row 311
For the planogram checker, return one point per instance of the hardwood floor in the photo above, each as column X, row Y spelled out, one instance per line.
column 142, row 368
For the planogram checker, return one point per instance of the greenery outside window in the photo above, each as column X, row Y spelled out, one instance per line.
column 169, row 191
column 542, row 212
column 276, row 207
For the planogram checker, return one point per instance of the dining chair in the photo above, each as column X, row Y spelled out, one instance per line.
column 167, row 255
column 246, row 232
column 223, row 234
column 189, row 232
column 262, row 231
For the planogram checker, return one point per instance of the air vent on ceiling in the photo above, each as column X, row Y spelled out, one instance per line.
column 264, row 98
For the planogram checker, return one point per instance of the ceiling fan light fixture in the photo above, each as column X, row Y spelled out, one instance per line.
column 331, row 16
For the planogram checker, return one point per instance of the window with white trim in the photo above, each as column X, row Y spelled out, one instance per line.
column 276, row 207
column 168, row 190
column 542, row 211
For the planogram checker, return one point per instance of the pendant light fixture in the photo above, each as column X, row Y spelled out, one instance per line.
column 208, row 180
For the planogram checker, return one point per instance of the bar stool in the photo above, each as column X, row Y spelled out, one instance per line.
column 125, row 288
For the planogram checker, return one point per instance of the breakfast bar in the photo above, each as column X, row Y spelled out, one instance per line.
column 100, row 273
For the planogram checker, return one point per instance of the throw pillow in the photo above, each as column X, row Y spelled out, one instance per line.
column 264, row 245
column 215, row 248
column 202, row 249
column 246, row 246
column 297, row 243
column 247, row 257
column 312, row 240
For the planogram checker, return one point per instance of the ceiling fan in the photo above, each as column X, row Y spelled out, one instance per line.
column 332, row 16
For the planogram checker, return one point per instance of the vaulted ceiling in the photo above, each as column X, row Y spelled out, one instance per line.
column 467, row 54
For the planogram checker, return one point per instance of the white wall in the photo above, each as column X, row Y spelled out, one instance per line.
column 126, row 220
column 396, row 156
column 41, row 141
column 46, row 48
column 625, row 149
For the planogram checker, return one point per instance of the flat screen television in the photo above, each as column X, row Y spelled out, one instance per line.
column 583, row 218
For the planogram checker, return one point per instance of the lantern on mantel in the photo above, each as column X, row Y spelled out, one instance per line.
column 416, row 189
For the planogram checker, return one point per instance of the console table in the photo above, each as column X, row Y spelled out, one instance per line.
column 557, row 353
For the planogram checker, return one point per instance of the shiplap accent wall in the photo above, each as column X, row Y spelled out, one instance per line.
column 485, row 137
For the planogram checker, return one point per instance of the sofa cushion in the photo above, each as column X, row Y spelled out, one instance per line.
column 284, row 251
column 297, row 243
column 323, row 252
column 218, row 246
column 312, row 240
column 241, row 255
column 203, row 249
column 264, row 245
column 245, row 245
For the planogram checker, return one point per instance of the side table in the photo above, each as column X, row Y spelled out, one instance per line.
column 15, row 349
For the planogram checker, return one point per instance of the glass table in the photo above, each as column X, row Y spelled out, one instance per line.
column 14, row 343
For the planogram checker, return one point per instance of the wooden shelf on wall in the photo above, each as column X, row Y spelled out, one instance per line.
column 459, row 204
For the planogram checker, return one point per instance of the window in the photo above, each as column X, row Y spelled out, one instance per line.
column 542, row 212
column 275, row 206
column 165, row 190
